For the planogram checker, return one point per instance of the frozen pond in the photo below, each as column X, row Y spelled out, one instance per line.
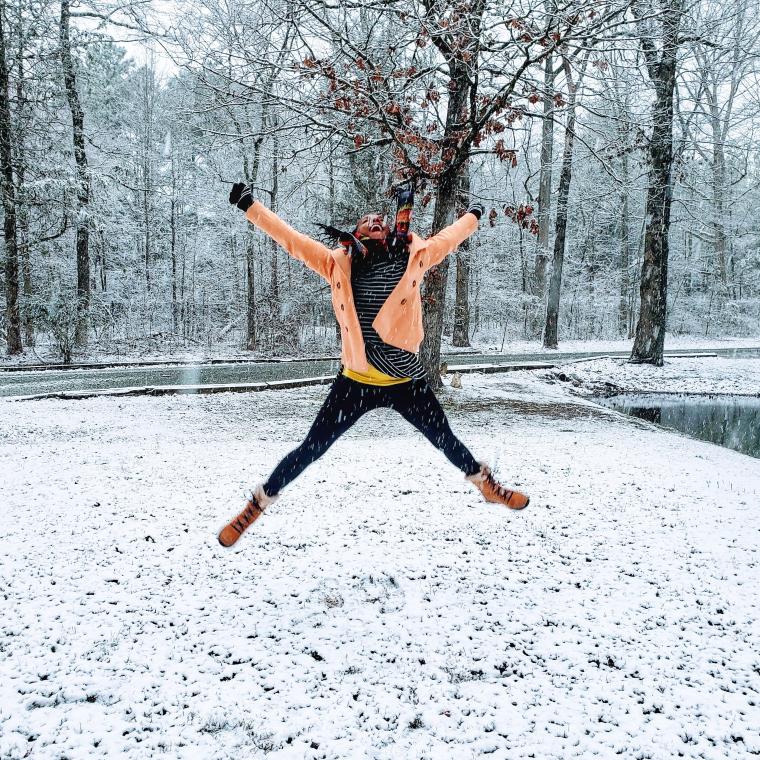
column 730, row 421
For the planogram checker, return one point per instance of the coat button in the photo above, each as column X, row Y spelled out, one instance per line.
column 337, row 285
column 403, row 301
column 414, row 283
column 342, row 307
column 420, row 268
column 345, row 327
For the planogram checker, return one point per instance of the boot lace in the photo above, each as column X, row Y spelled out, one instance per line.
column 251, row 512
column 498, row 488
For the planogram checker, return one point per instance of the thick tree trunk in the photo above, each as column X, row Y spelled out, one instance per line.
column 83, row 178
column 551, row 328
column 434, row 293
column 649, row 343
column 12, row 317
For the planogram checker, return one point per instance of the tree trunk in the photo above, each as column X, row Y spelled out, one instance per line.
column 83, row 178
column 26, row 269
column 434, row 295
column 649, row 343
column 555, row 281
column 22, row 209
column 103, row 264
column 624, row 309
column 719, row 190
column 275, row 281
column 538, row 282
column 332, row 199
column 147, row 116
column 461, row 335
column 182, row 293
column 250, row 268
column 13, row 331
column 173, row 244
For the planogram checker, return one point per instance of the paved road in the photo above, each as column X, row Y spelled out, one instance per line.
column 22, row 383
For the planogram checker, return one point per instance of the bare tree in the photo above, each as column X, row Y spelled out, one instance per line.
column 82, row 176
column 436, row 111
column 563, row 194
column 661, row 63
column 538, row 281
column 13, row 330
column 460, row 51
column 726, row 73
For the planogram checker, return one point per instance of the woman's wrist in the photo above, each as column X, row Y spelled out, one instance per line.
column 477, row 209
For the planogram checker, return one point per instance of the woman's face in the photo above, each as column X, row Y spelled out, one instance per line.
column 372, row 226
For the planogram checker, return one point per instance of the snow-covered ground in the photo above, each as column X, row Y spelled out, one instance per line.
column 380, row 609
column 672, row 343
column 682, row 375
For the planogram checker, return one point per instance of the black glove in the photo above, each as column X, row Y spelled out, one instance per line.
column 477, row 209
column 240, row 196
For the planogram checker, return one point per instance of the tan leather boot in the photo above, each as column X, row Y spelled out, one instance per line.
column 254, row 508
column 494, row 492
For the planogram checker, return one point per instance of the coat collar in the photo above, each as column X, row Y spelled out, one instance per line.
column 343, row 260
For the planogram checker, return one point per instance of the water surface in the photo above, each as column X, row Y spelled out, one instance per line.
column 730, row 421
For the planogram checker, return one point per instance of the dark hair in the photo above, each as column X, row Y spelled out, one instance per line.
column 333, row 235
column 349, row 240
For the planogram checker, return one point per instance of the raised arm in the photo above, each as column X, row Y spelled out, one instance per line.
column 314, row 254
column 449, row 238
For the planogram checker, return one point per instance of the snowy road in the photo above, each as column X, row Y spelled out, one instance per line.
column 381, row 610
column 15, row 381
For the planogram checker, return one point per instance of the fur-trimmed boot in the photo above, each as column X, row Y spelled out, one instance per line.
column 254, row 508
column 494, row 492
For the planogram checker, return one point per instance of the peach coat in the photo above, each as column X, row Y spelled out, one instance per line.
column 399, row 321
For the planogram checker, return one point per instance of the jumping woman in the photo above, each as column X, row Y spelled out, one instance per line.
column 375, row 275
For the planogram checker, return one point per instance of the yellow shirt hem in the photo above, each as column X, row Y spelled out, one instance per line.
column 373, row 377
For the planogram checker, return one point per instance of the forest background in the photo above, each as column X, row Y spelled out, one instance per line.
column 613, row 144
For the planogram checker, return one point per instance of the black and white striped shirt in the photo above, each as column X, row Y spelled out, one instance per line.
column 373, row 278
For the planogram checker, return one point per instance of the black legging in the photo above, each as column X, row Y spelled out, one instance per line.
column 348, row 400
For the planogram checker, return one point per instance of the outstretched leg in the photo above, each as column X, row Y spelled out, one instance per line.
column 346, row 402
column 419, row 406
column 417, row 403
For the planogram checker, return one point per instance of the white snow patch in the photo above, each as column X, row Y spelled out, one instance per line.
column 683, row 375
